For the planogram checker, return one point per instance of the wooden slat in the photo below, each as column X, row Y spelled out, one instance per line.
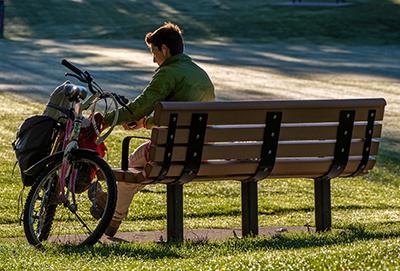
column 132, row 175
column 243, row 151
column 254, row 112
column 302, row 120
column 235, row 177
column 258, row 117
column 283, row 168
column 228, row 134
column 132, row 178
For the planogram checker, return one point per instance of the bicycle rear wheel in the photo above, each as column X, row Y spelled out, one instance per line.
column 47, row 220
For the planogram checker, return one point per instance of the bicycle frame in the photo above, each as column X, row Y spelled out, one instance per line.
column 69, row 170
column 70, row 141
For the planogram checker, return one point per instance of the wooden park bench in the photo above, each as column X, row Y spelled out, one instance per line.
column 255, row 140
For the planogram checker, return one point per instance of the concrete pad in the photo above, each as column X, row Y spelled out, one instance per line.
column 197, row 235
column 193, row 235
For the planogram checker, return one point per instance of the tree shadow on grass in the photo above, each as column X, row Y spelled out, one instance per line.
column 207, row 19
column 140, row 251
column 312, row 240
column 279, row 241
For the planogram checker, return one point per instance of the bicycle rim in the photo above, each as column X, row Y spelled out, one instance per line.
column 49, row 221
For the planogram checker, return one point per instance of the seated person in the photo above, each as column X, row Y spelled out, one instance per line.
column 177, row 78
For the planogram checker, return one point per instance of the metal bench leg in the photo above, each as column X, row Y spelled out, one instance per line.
column 249, row 209
column 322, row 194
column 175, row 212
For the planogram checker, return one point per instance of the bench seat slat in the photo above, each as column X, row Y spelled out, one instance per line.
column 132, row 175
column 258, row 116
column 246, row 177
column 252, row 150
column 132, row 178
column 227, row 134
column 255, row 112
column 283, row 168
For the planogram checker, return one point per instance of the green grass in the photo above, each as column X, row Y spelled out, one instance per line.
column 366, row 221
column 365, row 210
column 349, row 250
column 367, row 21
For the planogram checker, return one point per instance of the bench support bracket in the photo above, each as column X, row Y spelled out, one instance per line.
column 174, row 212
column 125, row 150
column 194, row 152
column 342, row 145
column 249, row 209
column 322, row 195
column 269, row 147
column 369, row 131
column 173, row 120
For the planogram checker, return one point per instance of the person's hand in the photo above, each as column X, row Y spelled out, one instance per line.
column 129, row 125
column 134, row 125
column 140, row 123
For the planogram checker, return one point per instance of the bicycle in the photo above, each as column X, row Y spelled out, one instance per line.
column 57, row 208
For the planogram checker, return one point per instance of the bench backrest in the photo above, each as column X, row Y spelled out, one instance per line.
column 258, row 139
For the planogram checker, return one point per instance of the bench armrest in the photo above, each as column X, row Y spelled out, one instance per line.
column 125, row 150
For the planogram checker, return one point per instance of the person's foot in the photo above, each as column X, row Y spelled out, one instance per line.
column 112, row 228
column 98, row 199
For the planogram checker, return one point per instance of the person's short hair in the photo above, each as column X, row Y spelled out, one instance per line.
column 169, row 34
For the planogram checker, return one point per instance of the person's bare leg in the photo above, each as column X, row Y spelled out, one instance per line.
column 126, row 191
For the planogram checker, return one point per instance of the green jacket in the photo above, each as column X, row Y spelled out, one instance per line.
column 177, row 79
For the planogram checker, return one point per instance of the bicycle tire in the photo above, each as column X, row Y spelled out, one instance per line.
column 49, row 216
column 37, row 235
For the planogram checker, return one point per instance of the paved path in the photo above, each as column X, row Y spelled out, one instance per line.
column 239, row 71
column 199, row 235
column 194, row 235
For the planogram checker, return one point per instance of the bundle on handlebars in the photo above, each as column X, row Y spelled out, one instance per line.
column 94, row 88
column 37, row 134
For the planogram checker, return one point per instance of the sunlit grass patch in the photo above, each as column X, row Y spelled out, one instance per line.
column 345, row 250
column 365, row 221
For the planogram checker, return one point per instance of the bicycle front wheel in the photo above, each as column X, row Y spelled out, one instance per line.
column 47, row 219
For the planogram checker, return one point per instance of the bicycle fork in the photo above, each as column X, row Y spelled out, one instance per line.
column 67, row 167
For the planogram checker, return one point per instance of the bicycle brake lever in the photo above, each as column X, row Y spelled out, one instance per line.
column 88, row 77
column 123, row 101
column 76, row 76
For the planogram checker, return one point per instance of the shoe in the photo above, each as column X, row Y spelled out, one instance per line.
column 98, row 199
column 112, row 228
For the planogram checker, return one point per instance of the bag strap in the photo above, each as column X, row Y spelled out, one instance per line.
column 20, row 207
column 67, row 112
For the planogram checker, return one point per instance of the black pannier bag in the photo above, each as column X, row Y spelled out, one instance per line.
column 33, row 142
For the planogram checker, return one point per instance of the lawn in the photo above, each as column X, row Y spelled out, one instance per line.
column 366, row 221
column 252, row 50
column 367, row 21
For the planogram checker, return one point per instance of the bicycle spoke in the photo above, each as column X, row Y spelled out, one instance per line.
column 49, row 220
column 81, row 220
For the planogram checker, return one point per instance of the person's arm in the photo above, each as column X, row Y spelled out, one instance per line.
column 157, row 90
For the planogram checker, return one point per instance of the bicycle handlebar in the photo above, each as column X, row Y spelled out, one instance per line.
column 73, row 68
column 94, row 88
